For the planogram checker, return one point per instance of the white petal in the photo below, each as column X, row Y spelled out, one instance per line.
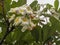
column 12, row 18
column 24, row 29
column 0, row 29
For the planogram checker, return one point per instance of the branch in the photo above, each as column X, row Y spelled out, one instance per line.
column 3, row 13
column 7, row 22
column 6, row 34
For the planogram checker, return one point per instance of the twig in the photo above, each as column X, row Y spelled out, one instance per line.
column 7, row 22
column 6, row 34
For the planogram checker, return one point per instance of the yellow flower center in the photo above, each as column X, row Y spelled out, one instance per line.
column 24, row 19
column 28, row 8
column 17, row 19
column 21, row 10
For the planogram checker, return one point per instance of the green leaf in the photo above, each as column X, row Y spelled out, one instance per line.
column 17, row 32
column 38, row 6
column 7, row 5
column 19, row 3
column 35, row 33
column 46, row 30
column 59, row 10
column 48, row 6
column 9, row 39
column 58, row 42
column 34, row 5
column 55, row 23
column 3, row 26
column 56, row 4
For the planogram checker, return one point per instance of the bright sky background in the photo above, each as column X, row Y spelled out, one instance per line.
column 42, row 1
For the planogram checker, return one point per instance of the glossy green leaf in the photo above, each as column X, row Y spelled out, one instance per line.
column 34, row 5
column 58, row 43
column 3, row 29
column 55, row 23
column 59, row 10
column 35, row 33
column 7, row 5
column 48, row 6
column 46, row 31
column 19, row 3
column 56, row 4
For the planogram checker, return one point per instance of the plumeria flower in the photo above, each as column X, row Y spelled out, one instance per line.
column 12, row 18
column 27, row 16
column 25, row 21
column 22, row 10
column 26, row 9
column 17, row 21
column 28, row 27
column 14, row 10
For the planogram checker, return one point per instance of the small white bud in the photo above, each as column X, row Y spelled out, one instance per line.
column 12, row 18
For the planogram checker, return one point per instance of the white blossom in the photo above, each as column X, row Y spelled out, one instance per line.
column 17, row 21
column 25, row 21
column 12, row 18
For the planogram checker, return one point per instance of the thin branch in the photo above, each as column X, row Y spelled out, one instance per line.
column 3, row 12
column 6, row 34
column 7, row 22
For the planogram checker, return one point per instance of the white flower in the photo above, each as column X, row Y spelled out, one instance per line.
column 22, row 10
column 17, row 21
column 28, row 27
column 12, row 18
column 14, row 10
column 25, row 21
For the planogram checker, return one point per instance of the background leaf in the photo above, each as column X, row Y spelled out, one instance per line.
column 56, row 4
column 19, row 3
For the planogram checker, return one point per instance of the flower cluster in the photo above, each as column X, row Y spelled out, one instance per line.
column 24, row 16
